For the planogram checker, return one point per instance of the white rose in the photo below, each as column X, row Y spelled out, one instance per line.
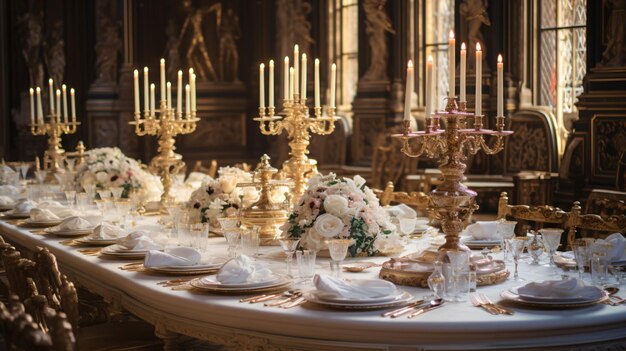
column 328, row 225
column 336, row 205
column 228, row 183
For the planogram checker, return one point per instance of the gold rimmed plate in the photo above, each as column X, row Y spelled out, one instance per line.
column 512, row 296
column 16, row 215
column 208, row 286
column 85, row 240
column 69, row 233
column 42, row 223
column 402, row 299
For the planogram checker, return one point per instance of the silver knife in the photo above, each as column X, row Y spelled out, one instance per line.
column 424, row 310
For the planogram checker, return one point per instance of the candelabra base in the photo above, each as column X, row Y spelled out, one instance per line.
column 268, row 221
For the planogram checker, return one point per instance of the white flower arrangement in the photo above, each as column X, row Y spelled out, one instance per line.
column 221, row 197
column 108, row 168
column 336, row 207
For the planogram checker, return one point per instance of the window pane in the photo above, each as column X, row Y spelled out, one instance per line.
column 572, row 13
column 547, row 69
column 548, row 13
column 350, row 19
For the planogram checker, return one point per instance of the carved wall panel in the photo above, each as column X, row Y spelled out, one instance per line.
column 366, row 132
column 227, row 131
column 105, row 132
column 608, row 140
column 533, row 144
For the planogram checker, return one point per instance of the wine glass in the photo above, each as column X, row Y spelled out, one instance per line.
column 40, row 174
column 338, row 249
column 117, row 192
column 459, row 263
column 289, row 246
column 582, row 255
column 517, row 247
column 24, row 167
column 505, row 230
column 104, row 194
column 90, row 189
column 70, row 196
column 123, row 209
column 250, row 241
column 551, row 240
column 82, row 202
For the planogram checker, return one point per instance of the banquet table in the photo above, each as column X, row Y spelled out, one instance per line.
column 241, row 326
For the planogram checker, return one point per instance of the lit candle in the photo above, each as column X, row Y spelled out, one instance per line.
column 51, row 91
column 169, row 96
column 463, row 64
column 296, row 70
column 187, row 101
column 303, row 89
column 500, row 68
column 291, row 82
column 286, row 95
column 262, row 85
column 58, row 105
column 179, row 94
column 271, row 87
column 479, row 81
column 162, row 66
column 64, row 91
column 31, row 92
column 73, row 99
column 317, row 83
column 192, row 88
column 333, row 83
column 37, row 167
column 408, row 91
column 451, row 64
column 136, row 90
column 146, row 90
column 429, row 85
column 39, row 108
column 152, row 110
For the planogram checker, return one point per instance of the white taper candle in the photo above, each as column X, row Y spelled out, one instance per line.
column 73, row 99
column 429, row 85
column 192, row 88
column 317, row 83
column 408, row 91
column 478, row 108
column 39, row 107
column 179, row 94
column 462, row 73
column 64, row 92
column 296, row 70
column 303, row 82
column 169, row 95
column 500, row 69
column 31, row 92
column 152, row 99
column 136, row 90
column 286, row 95
column 451, row 64
column 162, row 71
column 271, row 84
column 333, row 85
column 262, row 85
column 291, row 82
column 58, row 105
column 146, row 91
column 51, row 92
column 187, row 100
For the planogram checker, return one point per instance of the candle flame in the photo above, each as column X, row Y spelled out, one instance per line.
column 262, row 66
column 291, row 70
column 271, row 63
column 162, row 61
column 63, row 87
column 499, row 58
column 296, row 48
column 38, row 90
column 286, row 60
column 317, row 61
column 430, row 59
column 58, row 92
column 187, row 88
column 136, row 73
column 191, row 71
column 169, row 84
column 303, row 57
column 478, row 47
column 334, row 67
column 72, row 91
column 410, row 64
column 463, row 46
column 50, row 81
column 152, row 86
column 451, row 34
column 145, row 70
column 31, row 91
column 180, row 73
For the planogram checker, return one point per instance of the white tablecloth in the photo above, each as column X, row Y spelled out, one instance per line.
column 223, row 319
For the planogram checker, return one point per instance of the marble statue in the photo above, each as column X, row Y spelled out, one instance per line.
column 377, row 25
column 474, row 12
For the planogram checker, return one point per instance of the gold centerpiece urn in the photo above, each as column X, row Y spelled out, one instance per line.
column 266, row 213
column 59, row 123
column 295, row 119
column 165, row 123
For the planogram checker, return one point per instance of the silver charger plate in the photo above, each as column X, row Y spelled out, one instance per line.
column 402, row 299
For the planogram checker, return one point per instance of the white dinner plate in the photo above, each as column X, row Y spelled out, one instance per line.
column 17, row 215
column 6, row 207
column 69, row 233
column 212, row 280
column 196, row 269
column 401, row 299
column 481, row 244
column 511, row 295
column 115, row 251
column 329, row 297
column 43, row 223
column 205, row 285
column 589, row 293
column 98, row 242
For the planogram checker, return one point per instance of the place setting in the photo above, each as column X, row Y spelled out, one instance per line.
column 134, row 246
column 104, row 234
column 71, row 227
column 176, row 261
column 555, row 294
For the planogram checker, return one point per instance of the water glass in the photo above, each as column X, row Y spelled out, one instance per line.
column 199, row 236
column 117, row 192
column 233, row 238
column 104, row 194
column 123, row 209
column 82, row 202
column 70, row 196
column 250, row 241
column 338, row 249
column 599, row 270
column 458, row 287
column 551, row 241
column 24, row 167
column 581, row 250
column 306, row 263
column 90, row 189
column 40, row 174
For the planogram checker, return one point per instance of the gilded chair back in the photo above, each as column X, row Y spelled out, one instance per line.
column 531, row 217
column 417, row 200
column 211, row 170
column 592, row 224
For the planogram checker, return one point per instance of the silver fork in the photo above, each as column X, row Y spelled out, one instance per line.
column 476, row 301
column 501, row 309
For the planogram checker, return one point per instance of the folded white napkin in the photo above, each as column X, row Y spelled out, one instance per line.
column 138, row 240
column 24, row 206
column 174, row 257
column 107, row 231
column 370, row 288
column 485, row 230
column 401, row 211
column 6, row 201
column 618, row 251
column 9, row 190
column 242, row 269
column 39, row 214
column 73, row 223
column 566, row 288
column 57, row 208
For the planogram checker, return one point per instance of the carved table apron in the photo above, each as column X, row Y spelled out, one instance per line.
column 222, row 319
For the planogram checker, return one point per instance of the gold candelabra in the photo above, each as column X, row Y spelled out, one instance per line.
column 165, row 126
column 265, row 213
column 299, row 126
column 54, row 129
column 452, row 202
column 165, row 123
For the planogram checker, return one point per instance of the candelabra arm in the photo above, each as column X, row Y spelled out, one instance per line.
column 497, row 147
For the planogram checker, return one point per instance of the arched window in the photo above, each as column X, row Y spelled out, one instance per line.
column 561, row 55
column 344, row 49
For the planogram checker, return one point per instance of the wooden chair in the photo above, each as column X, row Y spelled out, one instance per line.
column 606, row 203
column 531, row 217
column 211, row 171
column 21, row 332
column 620, row 181
column 417, row 200
column 592, row 224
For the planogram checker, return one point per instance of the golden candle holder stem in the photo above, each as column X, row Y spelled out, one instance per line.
column 54, row 129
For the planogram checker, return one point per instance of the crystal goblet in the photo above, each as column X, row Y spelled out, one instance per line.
column 459, row 263
column 505, row 230
column 338, row 249
column 582, row 254
column 70, row 196
column 250, row 241
column 289, row 246
column 551, row 240
column 517, row 247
